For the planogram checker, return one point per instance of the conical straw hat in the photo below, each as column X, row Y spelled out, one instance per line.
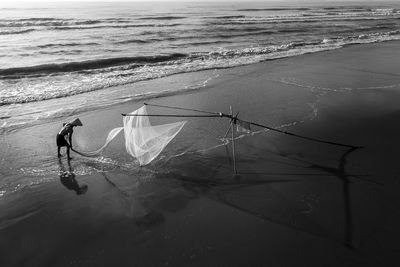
column 76, row 122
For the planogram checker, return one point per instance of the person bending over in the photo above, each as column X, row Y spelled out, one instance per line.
column 64, row 136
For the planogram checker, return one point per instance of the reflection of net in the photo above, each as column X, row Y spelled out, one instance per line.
column 142, row 141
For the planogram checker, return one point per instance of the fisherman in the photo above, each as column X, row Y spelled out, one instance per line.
column 64, row 136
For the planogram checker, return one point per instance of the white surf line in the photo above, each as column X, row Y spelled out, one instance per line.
column 5, row 223
column 375, row 87
column 312, row 88
column 328, row 89
column 325, row 90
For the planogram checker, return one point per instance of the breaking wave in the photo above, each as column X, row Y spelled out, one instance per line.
column 98, row 74
column 66, row 45
column 7, row 32
column 162, row 18
column 122, row 26
column 274, row 9
column 85, row 65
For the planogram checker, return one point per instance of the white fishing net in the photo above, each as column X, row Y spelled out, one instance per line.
column 142, row 140
column 111, row 135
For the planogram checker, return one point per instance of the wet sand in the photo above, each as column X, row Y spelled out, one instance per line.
column 293, row 202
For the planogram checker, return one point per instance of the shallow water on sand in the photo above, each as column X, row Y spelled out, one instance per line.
column 187, row 207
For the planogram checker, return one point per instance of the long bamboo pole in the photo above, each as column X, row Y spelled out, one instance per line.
column 233, row 141
column 220, row 114
column 301, row 136
column 171, row 115
column 180, row 108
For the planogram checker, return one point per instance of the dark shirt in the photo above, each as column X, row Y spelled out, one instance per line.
column 67, row 131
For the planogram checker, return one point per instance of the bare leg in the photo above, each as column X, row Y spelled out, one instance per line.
column 68, row 156
column 58, row 152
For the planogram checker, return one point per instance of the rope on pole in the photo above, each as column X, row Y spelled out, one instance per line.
column 233, row 123
column 300, row 136
column 219, row 114
column 235, row 119
column 187, row 109
column 172, row 115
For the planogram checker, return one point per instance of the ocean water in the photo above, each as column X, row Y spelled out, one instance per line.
column 50, row 52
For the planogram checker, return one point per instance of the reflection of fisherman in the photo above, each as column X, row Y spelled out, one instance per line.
column 64, row 136
column 67, row 178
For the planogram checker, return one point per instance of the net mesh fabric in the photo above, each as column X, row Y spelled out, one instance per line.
column 142, row 140
column 111, row 135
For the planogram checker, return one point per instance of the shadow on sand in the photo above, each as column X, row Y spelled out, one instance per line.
column 205, row 185
column 67, row 179
column 210, row 184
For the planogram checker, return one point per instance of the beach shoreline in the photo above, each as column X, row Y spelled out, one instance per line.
column 320, row 204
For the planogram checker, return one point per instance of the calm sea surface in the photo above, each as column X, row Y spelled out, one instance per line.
column 53, row 51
